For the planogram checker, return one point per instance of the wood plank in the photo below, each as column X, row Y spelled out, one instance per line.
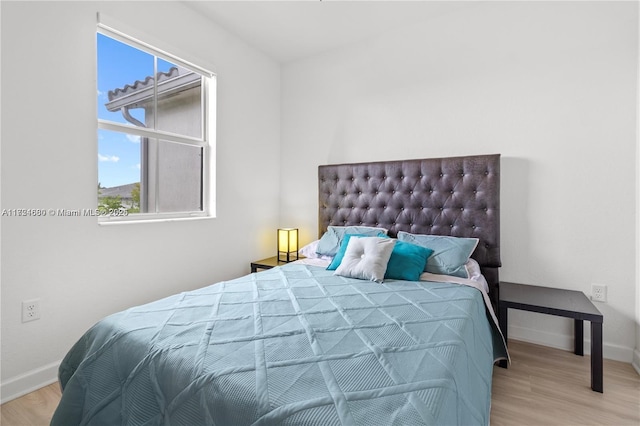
column 33, row 409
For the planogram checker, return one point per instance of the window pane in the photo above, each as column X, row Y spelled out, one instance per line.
column 125, row 82
column 119, row 170
column 174, row 177
column 179, row 100
column 179, row 177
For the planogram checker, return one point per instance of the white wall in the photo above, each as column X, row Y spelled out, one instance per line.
column 82, row 271
column 550, row 86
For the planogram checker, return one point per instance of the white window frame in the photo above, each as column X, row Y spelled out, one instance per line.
column 207, row 142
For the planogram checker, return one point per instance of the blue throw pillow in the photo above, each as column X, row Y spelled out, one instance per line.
column 450, row 254
column 407, row 261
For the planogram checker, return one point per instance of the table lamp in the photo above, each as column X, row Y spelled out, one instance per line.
column 287, row 244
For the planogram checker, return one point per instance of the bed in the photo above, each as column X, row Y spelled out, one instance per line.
column 313, row 342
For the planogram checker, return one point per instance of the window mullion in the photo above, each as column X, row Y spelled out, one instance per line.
column 155, row 127
column 149, row 133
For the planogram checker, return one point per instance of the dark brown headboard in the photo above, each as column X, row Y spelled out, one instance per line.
column 457, row 196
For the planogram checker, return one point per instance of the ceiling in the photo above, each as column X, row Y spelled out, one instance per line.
column 291, row 30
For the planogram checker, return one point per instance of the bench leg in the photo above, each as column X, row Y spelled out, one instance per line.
column 502, row 320
column 596, row 357
column 578, row 335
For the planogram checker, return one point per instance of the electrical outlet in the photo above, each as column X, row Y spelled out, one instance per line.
column 30, row 310
column 598, row 293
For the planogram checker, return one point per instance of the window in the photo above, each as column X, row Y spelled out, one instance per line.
column 155, row 132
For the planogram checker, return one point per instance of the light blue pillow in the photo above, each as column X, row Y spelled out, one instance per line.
column 330, row 241
column 450, row 254
column 407, row 261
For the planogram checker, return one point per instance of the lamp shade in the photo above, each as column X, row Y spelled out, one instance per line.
column 287, row 244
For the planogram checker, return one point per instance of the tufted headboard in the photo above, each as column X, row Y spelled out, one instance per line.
column 456, row 196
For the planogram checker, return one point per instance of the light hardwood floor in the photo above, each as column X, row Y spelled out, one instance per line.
column 546, row 386
column 543, row 386
column 33, row 409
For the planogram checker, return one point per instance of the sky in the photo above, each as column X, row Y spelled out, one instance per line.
column 119, row 153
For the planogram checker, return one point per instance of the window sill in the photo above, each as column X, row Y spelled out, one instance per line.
column 127, row 221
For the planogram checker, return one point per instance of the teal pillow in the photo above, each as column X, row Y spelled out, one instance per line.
column 329, row 244
column 337, row 259
column 450, row 254
column 407, row 261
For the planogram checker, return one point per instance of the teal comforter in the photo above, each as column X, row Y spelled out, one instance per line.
column 291, row 345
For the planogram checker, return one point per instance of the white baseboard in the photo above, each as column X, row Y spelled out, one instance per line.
column 28, row 382
column 565, row 342
column 636, row 360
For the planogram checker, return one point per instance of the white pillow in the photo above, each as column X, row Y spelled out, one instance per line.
column 309, row 251
column 473, row 269
column 366, row 258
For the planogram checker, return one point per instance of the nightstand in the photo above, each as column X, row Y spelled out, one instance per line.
column 268, row 263
column 554, row 301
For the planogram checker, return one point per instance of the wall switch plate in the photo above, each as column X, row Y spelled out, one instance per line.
column 30, row 310
column 598, row 293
